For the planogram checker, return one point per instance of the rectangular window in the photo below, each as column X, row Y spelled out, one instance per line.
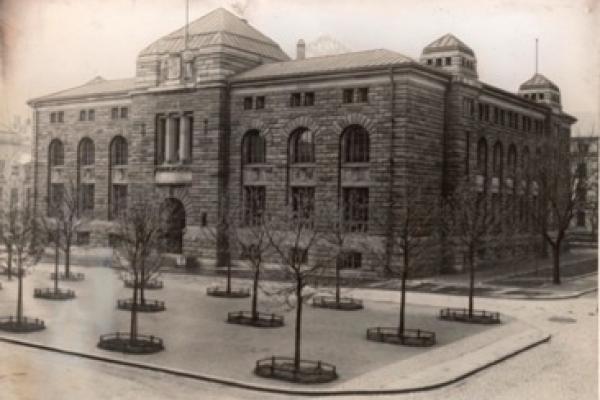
column 349, row 260
column 486, row 112
column 348, row 96
column 356, row 209
column 298, row 255
column 295, row 100
column 448, row 60
column 14, row 197
column 309, row 99
column 496, row 115
column 438, row 62
column 56, row 198
column 82, row 115
column 363, row 95
column 480, row 109
column 260, row 102
column 87, row 197
column 467, row 152
column 124, row 112
column 161, row 133
column 119, row 200
column 61, row 116
column 83, row 238
column 114, row 113
column 91, row 115
column 2, row 165
column 247, row 103
column 52, row 117
column 429, row 61
column 254, row 205
column 468, row 107
column 303, row 205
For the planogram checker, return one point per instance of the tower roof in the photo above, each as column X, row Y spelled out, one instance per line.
column 539, row 81
column 447, row 42
column 218, row 28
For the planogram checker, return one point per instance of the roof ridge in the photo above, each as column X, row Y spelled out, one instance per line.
column 343, row 54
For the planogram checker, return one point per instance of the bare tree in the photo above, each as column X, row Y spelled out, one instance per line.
column 17, row 227
column 471, row 221
column 560, row 191
column 292, row 235
column 139, row 242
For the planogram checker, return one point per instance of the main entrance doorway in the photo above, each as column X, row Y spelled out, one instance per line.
column 173, row 222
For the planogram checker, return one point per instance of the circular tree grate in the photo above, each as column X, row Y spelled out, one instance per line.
column 262, row 320
column 12, row 324
column 121, row 341
column 283, row 368
column 72, row 277
column 411, row 337
column 218, row 291
column 345, row 303
column 147, row 306
column 53, row 294
column 476, row 317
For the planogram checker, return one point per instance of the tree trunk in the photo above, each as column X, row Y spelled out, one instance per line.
column 143, row 288
column 68, row 258
column 133, row 330
column 402, row 302
column 9, row 262
column 471, row 282
column 556, row 263
column 19, row 290
column 297, row 340
column 56, row 262
column 337, row 284
column 228, row 284
column 255, row 294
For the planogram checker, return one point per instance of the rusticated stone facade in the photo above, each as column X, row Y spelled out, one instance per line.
column 195, row 99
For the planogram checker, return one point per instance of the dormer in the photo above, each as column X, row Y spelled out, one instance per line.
column 450, row 54
column 541, row 90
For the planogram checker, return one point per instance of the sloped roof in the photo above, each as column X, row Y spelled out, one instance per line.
column 331, row 63
column 97, row 86
column 219, row 27
column 447, row 42
column 539, row 81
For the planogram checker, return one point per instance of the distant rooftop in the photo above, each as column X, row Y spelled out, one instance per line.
column 324, row 64
column 97, row 86
column 538, row 81
column 218, row 28
column 446, row 43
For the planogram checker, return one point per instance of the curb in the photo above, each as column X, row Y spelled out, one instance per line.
column 272, row 389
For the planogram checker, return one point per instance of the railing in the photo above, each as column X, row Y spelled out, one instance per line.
column 50, row 292
column 126, row 336
column 237, row 315
column 308, row 370
column 12, row 320
column 463, row 313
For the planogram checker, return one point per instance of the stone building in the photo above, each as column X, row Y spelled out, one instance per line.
column 218, row 112
column 14, row 155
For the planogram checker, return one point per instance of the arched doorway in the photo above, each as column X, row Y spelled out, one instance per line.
column 173, row 216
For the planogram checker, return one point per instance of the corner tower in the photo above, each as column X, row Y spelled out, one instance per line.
column 450, row 54
column 541, row 90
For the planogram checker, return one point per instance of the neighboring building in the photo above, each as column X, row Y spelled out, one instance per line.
column 14, row 152
column 222, row 113
column 584, row 156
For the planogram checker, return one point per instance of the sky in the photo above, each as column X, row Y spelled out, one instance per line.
column 50, row 45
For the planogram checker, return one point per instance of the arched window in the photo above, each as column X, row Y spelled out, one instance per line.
column 253, row 148
column 525, row 162
column 498, row 158
column 118, row 151
column 512, row 160
column 302, row 146
column 57, row 153
column 86, row 152
column 355, row 144
column 482, row 156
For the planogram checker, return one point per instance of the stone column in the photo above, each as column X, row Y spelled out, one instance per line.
column 170, row 141
column 184, row 139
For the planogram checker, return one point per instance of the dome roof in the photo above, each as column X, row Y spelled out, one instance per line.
column 539, row 81
column 448, row 42
column 218, row 28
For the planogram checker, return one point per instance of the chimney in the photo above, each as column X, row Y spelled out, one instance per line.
column 300, row 50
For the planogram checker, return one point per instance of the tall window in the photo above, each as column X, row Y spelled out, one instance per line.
column 356, row 209
column 253, row 148
column 303, row 204
column 86, row 197
column 512, row 160
column 57, row 153
column 525, row 162
column 86, row 152
column 302, row 149
column 349, row 260
column 355, row 144
column 118, row 200
column 498, row 159
column 254, row 205
column 482, row 156
column 118, row 151
column 174, row 138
